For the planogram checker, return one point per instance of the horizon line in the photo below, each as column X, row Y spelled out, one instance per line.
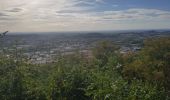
column 84, row 31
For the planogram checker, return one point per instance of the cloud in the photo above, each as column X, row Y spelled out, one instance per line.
column 115, row 5
column 137, row 14
column 100, row 1
column 3, row 15
column 46, row 15
column 14, row 10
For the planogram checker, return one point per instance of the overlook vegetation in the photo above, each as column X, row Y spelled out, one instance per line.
column 108, row 75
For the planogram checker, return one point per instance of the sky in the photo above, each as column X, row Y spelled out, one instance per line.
column 83, row 15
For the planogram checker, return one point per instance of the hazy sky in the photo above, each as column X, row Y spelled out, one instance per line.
column 83, row 15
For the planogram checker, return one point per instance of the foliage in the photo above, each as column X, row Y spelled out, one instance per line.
column 107, row 75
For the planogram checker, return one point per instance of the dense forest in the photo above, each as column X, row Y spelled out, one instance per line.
column 106, row 75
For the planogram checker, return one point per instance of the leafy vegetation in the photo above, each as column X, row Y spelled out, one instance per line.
column 108, row 75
